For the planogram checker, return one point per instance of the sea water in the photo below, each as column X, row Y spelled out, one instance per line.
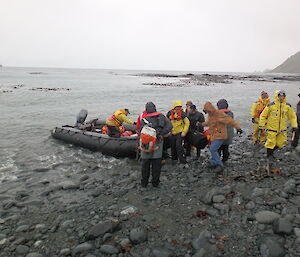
column 29, row 110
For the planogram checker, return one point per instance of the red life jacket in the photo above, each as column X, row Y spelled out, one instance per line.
column 127, row 134
column 143, row 115
column 225, row 110
column 179, row 115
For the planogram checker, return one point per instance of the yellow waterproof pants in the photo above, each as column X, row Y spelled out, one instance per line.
column 257, row 135
column 276, row 139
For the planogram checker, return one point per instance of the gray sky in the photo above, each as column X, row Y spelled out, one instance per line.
column 210, row 35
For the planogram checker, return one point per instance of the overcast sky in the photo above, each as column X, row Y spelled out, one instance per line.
column 196, row 35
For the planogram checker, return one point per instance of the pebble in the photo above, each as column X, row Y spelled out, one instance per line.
column 22, row 249
column 109, row 249
column 282, row 226
column 266, row 217
column 138, row 235
column 82, row 248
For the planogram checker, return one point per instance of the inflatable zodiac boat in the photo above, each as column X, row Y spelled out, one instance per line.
column 90, row 137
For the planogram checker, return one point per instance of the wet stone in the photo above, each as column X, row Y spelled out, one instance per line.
column 250, row 205
column 218, row 198
column 161, row 252
column 82, row 248
column 65, row 252
column 297, row 232
column 103, row 228
column 138, row 235
column 22, row 228
column 266, row 217
column 282, row 226
column 34, row 255
column 270, row 248
column 109, row 249
column 22, row 249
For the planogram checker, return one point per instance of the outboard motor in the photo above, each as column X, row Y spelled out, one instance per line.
column 81, row 116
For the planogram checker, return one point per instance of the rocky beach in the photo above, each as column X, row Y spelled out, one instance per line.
column 60, row 200
column 102, row 211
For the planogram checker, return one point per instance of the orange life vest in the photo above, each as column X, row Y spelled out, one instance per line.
column 208, row 136
column 259, row 108
column 127, row 134
column 179, row 115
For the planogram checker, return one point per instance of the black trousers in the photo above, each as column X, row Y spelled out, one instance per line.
column 224, row 152
column 113, row 131
column 146, row 168
column 177, row 151
column 188, row 147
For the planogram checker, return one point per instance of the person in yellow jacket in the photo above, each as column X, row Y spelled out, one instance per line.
column 181, row 124
column 274, row 120
column 259, row 136
column 114, row 123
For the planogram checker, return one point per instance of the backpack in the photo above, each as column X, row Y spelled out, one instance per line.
column 147, row 138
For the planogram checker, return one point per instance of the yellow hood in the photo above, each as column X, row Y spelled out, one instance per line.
column 276, row 98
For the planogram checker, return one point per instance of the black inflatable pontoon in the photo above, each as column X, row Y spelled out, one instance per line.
column 95, row 141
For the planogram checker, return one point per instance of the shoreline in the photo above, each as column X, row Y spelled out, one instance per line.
column 192, row 213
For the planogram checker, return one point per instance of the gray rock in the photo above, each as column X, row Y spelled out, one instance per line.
column 202, row 241
column 212, row 212
column 109, row 249
column 270, row 248
column 65, row 252
column 250, row 205
column 258, row 192
column 82, row 248
column 207, row 198
column 297, row 232
column 34, row 255
column 103, row 228
column 266, row 217
column 138, row 235
column 289, row 186
column 66, row 185
column 218, row 198
column 161, row 252
column 223, row 208
column 282, row 226
column 22, row 249
column 2, row 236
column 22, row 228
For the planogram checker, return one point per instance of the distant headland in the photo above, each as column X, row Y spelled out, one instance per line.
column 290, row 65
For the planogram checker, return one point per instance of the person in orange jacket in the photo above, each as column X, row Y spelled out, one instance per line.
column 217, row 121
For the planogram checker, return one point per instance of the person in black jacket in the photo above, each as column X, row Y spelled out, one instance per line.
column 196, row 119
column 163, row 128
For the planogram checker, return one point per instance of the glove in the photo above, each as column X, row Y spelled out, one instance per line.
column 253, row 120
column 239, row 131
column 295, row 129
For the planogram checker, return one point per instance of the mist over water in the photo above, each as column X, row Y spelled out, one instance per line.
column 27, row 115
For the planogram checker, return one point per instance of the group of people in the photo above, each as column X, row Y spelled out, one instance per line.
column 270, row 121
column 181, row 125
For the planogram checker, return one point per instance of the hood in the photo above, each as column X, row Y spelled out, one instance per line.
column 208, row 107
column 150, row 107
column 177, row 103
column 123, row 111
column 265, row 101
column 222, row 104
column 276, row 98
